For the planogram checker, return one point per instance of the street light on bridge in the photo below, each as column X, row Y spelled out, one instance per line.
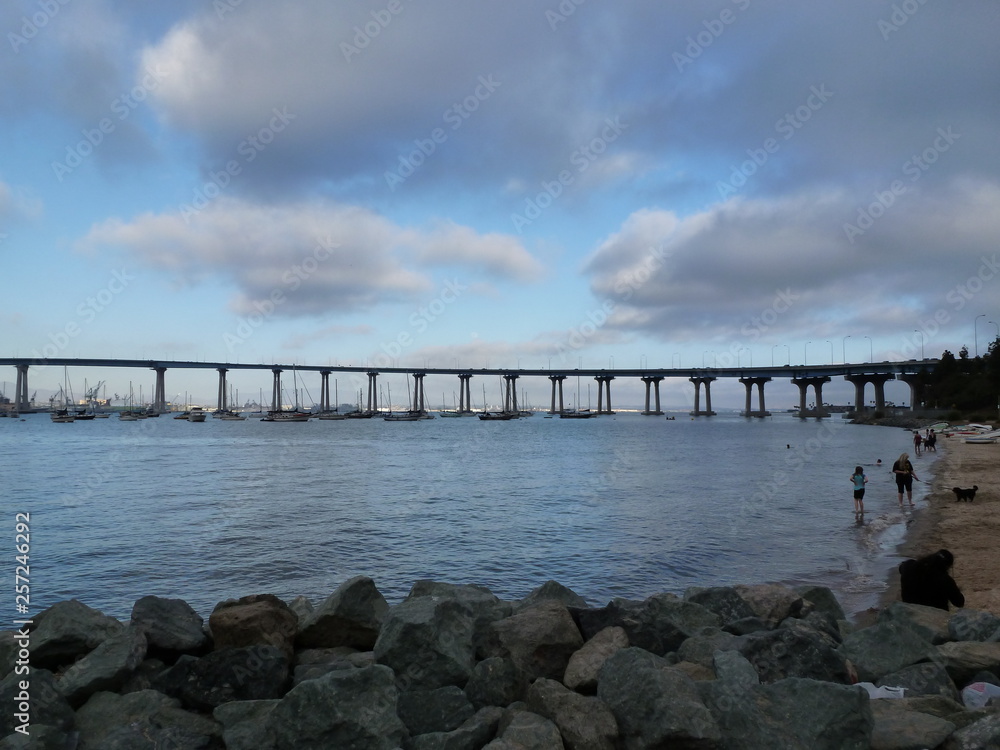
column 975, row 332
column 917, row 330
column 831, row 350
column 871, row 350
column 843, row 346
column 805, row 353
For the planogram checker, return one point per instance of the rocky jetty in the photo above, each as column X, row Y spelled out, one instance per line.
column 452, row 667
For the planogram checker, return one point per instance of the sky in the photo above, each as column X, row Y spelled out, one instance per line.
column 497, row 184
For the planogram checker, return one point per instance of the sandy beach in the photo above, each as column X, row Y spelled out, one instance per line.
column 969, row 530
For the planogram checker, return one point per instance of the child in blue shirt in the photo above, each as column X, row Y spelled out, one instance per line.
column 859, row 479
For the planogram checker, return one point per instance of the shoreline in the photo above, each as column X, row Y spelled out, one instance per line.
column 969, row 530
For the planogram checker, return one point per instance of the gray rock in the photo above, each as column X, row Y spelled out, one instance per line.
column 171, row 626
column 143, row 676
column 428, row 642
column 484, row 607
column 746, row 626
column 439, row 710
column 351, row 616
column 794, row 714
column 823, row 599
column 527, row 730
column 256, row 620
column 898, row 727
column 539, row 640
column 496, row 681
column 46, row 704
column 659, row 624
column 68, row 630
column 883, row 648
column 585, row 665
column 316, row 662
column 724, row 601
column 772, row 602
column 551, row 591
column 585, row 722
column 41, row 737
column 973, row 625
column 243, row 722
column 794, row 652
column 964, row 659
column 701, row 648
column 654, row 704
column 229, row 674
column 9, row 648
column 984, row 733
column 928, row 678
column 107, row 667
column 345, row 709
column 302, row 608
column 473, row 734
column 930, row 623
column 733, row 667
column 146, row 719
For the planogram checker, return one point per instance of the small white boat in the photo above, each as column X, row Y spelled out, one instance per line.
column 127, row 416
column 197, row 414
column 402, row 416
column 62, row 416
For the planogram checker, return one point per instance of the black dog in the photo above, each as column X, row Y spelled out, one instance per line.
column 968, row 495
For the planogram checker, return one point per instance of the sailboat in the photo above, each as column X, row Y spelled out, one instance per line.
column 128, row 415
column 401, row 416
column 578, row 413
column 333, row 414
column 295, row 415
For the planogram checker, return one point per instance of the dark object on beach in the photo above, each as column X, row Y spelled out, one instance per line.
column 927, row 581
column 968, row 494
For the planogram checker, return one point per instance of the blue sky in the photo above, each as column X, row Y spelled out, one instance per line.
column 498, row 184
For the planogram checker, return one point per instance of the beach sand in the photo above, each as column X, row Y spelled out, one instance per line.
column 970, row 530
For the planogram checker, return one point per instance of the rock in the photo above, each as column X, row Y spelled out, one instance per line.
column 824, row 601
column 256, row 620
column 898, row 727
column 473, row 734
column 585, row 722
column 9, row 648
column 146, row 719
column 439, row 710
column 746, row 625
column 701, row 648
column 171, row 626
column 551, row 591
column 243, row 722
column 346, row 709
column 302, row 608
column 540, row 640
column 68, row 630
column 428, row 642
column 527, row 730
column 928, row 678
column 734, row 668
column 654, row 704
column 229, row 674
column 316, row 662
column 106, row 668
column 585, row 664
column 794, row 652
column 483, row 606
column 46, row 704
column 984, row 733
column 659, row 624
column 793, row 714
column 143, row 676
column 973, row 625
column 724, row 601
column 883, row 648
column 772, row 602
column 930, row 623
column 496, row 681
column 964, row 659
column 42, row 737
column 351, row 616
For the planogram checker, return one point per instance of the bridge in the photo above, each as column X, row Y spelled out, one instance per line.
column 803, row 376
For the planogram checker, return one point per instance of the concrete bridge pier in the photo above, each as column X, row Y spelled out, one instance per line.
column 21, row 402
column 464, row 394
column 220, row 402
column 557, row 379
column 817, row 384
column 697, row 396
column 276, row 390
column 372, row 392
column 324, row 390
column 510, row 393
column 604, row 383
column 655, row 382
column 916, row 383
column 160, row 390
column 418, row 392
column 860, row 381
column 750, row 383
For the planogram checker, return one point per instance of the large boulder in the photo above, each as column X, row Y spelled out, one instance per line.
column 724, row 601
column 930, row 623
column 927, row 678
column 440, row 710
column 106, row 668
column 171, row 626
column 473, row 734
column 428, row 642
column 773, row 602
column 585, row 722
column 883, row 648
column 823, row 600
column 551, row 591
column 496, row 681
column 973, row 625
column 482, row 604
column 524, row 729
column 964, row 659
column 539, row 640
column 351, row 616
column 147, row 719
column 243, row 722
column 585, row 665
column 346, row 709
column 68, row 630
column 794, row 652
column 659, row 624
column 984, row 733
column 229, row 674
column 701, row 648
column 897, row 727
column 255, row 620
column 654, row 704
column 46, row 705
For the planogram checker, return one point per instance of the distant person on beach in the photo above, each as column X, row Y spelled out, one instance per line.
column 930, row 442
column 903, row 470
column 859, row 479
column 916, row 442
column 927, row 581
